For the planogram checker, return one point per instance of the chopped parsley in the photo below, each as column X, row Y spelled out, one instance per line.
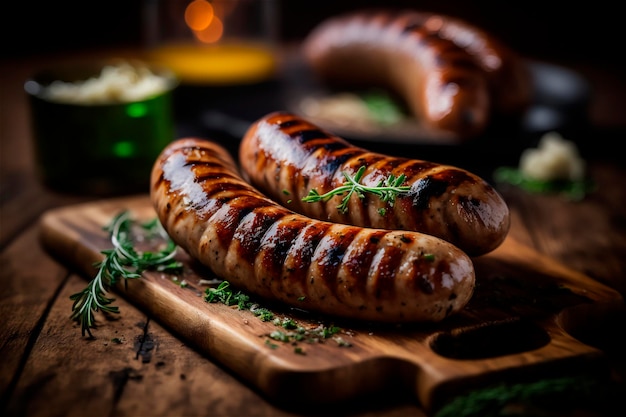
column 290, row 332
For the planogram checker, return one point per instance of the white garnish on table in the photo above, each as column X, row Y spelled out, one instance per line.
column 555, row 158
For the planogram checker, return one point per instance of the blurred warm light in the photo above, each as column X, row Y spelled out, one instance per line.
column 215, row 59
column 205, row 19
column 224, row 8
column 199, row 14
column 211, row 33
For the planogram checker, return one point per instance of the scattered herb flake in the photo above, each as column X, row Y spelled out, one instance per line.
column 292, row 331
column 269, row 343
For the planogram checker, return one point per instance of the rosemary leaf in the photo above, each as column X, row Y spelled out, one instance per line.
column 122, row 262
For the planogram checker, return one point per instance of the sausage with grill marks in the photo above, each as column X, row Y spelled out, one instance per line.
column 453, row 76
column 509, row 77
column 285, row 156
column 262, row 247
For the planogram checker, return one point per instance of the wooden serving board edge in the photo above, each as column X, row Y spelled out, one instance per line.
column 284, row 377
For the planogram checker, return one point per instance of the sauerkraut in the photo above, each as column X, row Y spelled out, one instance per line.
column 120, row 83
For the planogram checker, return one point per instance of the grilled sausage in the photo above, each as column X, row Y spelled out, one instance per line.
column 451, row 74
column 507, row 73
column 262, row 247
column 286, row 156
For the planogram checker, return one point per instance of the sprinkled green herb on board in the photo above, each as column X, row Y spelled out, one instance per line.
column 291, row 331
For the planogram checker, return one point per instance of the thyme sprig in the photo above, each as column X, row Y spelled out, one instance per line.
column 122, row 262
column 387, row 190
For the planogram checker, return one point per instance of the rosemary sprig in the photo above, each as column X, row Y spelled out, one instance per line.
column 387, row 190
column 122, row 262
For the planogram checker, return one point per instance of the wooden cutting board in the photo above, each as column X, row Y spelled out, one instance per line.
column 528, row 318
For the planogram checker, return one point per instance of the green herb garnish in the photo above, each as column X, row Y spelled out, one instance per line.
column 382, row 107
column 225, row 295
column 122, row 262
column 291, row 331
column 387, row 190
column 537, row 398
column 572, row 190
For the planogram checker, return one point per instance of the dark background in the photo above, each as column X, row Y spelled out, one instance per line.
column 574, row 32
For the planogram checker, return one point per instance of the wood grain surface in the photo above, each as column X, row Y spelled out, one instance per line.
column 530, row 316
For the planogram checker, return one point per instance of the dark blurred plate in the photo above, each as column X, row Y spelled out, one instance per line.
column 560, row 104
column 560, row 100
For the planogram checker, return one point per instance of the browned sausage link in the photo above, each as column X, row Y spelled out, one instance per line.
column 509, row 76
column 266, row 249
column 441, row 82
column 285, row 156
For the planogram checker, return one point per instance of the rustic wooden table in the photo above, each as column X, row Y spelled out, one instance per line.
column 48, row 369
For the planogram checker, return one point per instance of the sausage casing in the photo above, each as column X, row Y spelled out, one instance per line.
column 440, row 82
column 286, row 156
column 262, row 247
column 508, row 74
column 453, row 75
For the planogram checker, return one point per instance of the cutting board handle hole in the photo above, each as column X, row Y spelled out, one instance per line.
column 490, row 340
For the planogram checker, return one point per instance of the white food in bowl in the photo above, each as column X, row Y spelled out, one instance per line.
column 120, row 83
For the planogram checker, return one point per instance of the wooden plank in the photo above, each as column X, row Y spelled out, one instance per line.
column 526, row 306
column 134, row 367
column 142, row 370
column 25, row 297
